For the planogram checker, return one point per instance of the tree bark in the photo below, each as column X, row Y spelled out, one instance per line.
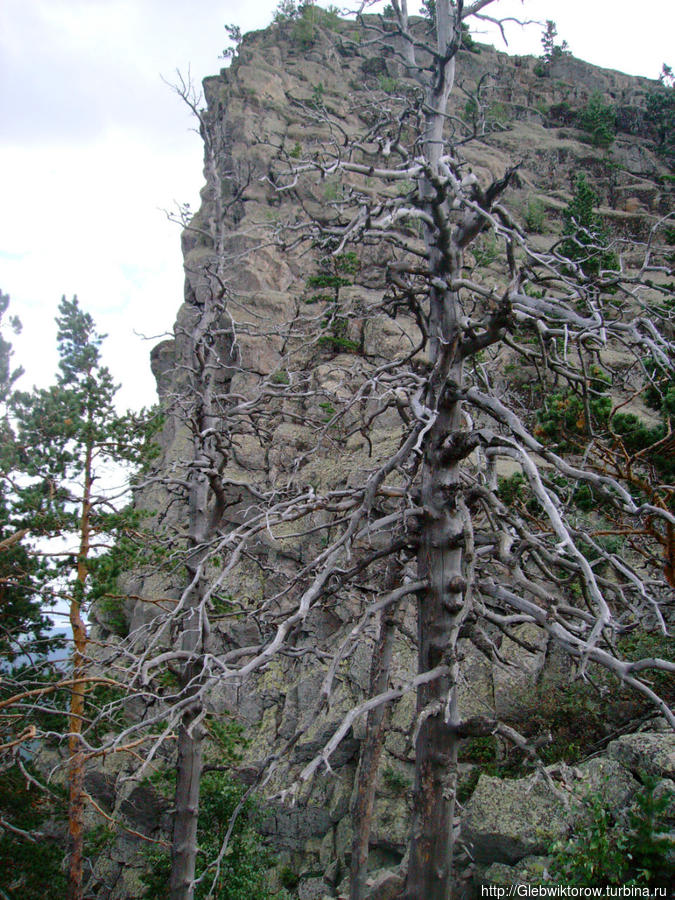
column 188, row 780
column 205, row 511
column 440, row 560
column 371, row 751
column 191, row 731
column 77, row 694
column 439, row 609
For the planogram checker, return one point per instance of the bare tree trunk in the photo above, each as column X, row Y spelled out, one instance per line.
column 188, row 780
column 75, row 817
column 206, row 504
column 77, row 693
column 439, row 608
column 371, row 751
column 191, row 731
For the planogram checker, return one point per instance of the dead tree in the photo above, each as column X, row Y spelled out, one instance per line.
column 468, row 545
column 408, row 208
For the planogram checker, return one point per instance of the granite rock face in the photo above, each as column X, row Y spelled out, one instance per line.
column 253, row 106
column 507, row 820
column 513, row 825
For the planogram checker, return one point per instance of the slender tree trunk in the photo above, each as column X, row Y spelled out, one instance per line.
column 440, row 560
column 77, row 693
column 439, row 609
column 371, row 752
column 191, row 731
column 205, row 511
column 188, row 780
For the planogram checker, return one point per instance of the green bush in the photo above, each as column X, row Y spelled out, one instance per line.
column 29, row 870
column 586, row 238
column 288, row 878
column 598, row 119
column 485, row 251
column 641, row 644
column 286, row 11
column 535, row 215
column 468, row 42
column 579, row 716
column 387, row 84
column 606, row 852
column 597, row 855
column 280, row 377
column 637, row 435
column 113, row 615
column 562, row 416
column 306, row 18
column 317, row 95
column 243, row 870
column 479, row 749
column 512, row 488
column 499, row 112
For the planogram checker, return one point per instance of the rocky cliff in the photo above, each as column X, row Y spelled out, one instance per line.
column 259, row 113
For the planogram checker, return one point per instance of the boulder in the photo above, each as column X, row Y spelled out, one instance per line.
column 508, row 819
column 531, row 870
column 608, row 778
column 312, row 889
column 385, row 886
column 646, row 752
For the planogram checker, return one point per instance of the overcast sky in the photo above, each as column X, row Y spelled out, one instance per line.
column 93, row 146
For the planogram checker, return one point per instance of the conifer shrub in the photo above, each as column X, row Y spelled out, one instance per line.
column 30, row 869
column 587, row 240
column 598, row 120
column 535, row 215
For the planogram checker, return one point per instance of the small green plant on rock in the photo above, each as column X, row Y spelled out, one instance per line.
column 387, row 84
column 288, row 878
column 482, row 749
column 486, row 251
column 318, row 92
column 395, row 781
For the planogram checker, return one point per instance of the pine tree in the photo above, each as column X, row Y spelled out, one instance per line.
column 586, row 238
column 70, row 439
column 23, row 626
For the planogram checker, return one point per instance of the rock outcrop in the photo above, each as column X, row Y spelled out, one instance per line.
column 253, row 106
